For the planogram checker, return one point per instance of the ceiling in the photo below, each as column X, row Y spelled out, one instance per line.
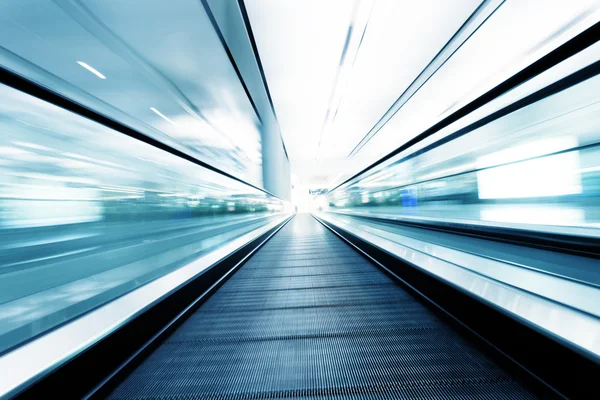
column 335, row 67
column 151, row 71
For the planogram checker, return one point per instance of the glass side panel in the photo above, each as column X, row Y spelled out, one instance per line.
column 88, row 214
column 539, row 165
column 173, row 82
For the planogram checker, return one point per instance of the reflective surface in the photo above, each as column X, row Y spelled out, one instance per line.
column 503, row 275
column 88, row 214
column 52, row 350
column 336, row 67
column 506, row 43
column 538, row 165
column 173, row 82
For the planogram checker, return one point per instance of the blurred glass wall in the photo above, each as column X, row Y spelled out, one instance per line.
column 535, row 168
column 173, row 82
column 88, row 214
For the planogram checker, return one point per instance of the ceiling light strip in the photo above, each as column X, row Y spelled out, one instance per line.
column 356, row 33
column 91, row 69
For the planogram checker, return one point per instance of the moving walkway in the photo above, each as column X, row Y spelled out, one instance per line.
column 306, row 315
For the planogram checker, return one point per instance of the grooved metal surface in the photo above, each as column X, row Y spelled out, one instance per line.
column 308, row 317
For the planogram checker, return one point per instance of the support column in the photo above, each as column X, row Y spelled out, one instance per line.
column 231, row 26
column 276, row 166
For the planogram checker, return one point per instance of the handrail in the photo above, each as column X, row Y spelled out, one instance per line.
column 15, row 81
column 575, row 45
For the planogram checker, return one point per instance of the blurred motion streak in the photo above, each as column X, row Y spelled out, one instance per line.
column 88, row 214
column 538, row 165
column 173, row 82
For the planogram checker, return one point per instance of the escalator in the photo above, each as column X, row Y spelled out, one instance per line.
column 309, row 317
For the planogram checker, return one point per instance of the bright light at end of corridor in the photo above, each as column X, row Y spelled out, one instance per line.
column 91, row 69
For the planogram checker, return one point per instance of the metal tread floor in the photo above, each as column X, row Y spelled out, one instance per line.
column 308, row 317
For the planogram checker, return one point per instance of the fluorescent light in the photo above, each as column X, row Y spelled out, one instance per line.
column 163, row 116
column 590, row 169
column 550, row 176
column 91, row 69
